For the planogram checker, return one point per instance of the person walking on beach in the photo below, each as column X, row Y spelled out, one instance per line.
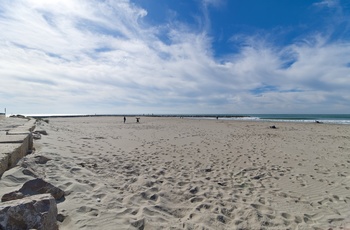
column 124, row 119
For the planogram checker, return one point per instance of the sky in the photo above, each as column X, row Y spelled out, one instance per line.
column 174, row 56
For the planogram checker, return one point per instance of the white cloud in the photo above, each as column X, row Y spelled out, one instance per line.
column 327, row 3
column 99, row 57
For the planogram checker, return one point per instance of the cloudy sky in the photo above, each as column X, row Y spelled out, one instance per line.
column 174, row 56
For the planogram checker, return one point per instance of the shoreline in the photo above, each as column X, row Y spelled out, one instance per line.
column 343, row 119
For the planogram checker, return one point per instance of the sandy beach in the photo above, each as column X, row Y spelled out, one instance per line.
column 172, row 173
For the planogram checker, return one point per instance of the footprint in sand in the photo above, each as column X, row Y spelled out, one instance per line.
column 139, row 224
column 287, row 216
column 262, row 208
column 88, row 210
column 196, row 199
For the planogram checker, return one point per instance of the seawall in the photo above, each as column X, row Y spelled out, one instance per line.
column 16, row 141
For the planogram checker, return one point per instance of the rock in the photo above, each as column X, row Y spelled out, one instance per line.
column 20, row 116
column 36, row 136
column 194, row 190
column 41, row 159
column 42, row 132
column 12, row 196
column 29, row 172
column 34, row 212
column 39, row 186
column 60, row 217
column 34, row 187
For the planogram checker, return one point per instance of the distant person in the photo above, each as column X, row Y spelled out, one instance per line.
column 137, row 119
column 124, row 119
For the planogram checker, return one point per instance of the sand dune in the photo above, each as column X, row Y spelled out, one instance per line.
column 171, row 173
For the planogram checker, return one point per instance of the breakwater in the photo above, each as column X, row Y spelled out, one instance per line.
column 16, row 141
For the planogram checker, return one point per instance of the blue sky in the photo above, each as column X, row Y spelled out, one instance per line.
column 174, row 56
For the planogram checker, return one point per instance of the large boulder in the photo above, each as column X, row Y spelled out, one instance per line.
column 33, row 212
column 34, row 187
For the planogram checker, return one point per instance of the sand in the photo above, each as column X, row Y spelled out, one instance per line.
column 172, row 173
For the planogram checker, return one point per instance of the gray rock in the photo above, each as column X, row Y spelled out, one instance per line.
column 29, row 172
column 34, row 187
column 34, row 212
column 61, row 217
column 41, row 159
column 16, row 195
column 36, row 136
column 42, row 132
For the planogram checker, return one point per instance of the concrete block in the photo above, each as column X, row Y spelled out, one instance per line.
column 25, row 139
column 17, row 132
column 14, row 151
column 4, row 163
column 29, row 126
column 10, row 139
column 15, row 146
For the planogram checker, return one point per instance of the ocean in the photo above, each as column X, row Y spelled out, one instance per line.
column 306, row 118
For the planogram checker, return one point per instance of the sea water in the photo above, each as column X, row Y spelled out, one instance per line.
column 306, row 118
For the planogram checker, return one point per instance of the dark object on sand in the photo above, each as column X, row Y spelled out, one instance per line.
column 273, row 127
column 34, row 187
column 137, row 120
column 20, row 116
column 318, row 122
column 43, row 132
